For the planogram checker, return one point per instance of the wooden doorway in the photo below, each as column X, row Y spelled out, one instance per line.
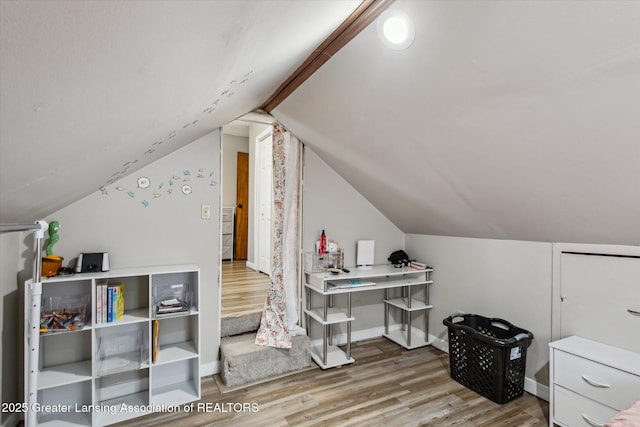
column 242, row 209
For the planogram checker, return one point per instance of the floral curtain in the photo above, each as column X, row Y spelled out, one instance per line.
column 280, row 314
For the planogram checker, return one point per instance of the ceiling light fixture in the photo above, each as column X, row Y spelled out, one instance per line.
column 396, row 29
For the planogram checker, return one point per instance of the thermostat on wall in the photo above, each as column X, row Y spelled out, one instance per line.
column 92, row 262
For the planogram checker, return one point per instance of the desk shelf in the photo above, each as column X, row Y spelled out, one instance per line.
column 392, row 280
column 334, row 316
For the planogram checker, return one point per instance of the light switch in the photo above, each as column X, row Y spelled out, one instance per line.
column 205, row 212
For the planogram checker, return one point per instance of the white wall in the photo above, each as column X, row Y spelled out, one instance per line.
column 231, row 146
column 168, row 231
column 332, row 204
column 9, row 372
column 493, row 278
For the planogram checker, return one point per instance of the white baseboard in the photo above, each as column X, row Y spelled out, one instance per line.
column 252, row 266
column 210, row 368
column 537, row 389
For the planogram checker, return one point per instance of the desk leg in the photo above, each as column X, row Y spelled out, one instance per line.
column 404, row 313
column 324, row 344
column 426, row 313
column 386, row 311
column 330, row 326
column 349, row 326
column 409, row 329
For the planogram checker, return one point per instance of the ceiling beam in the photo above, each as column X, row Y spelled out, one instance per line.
column 365, row 13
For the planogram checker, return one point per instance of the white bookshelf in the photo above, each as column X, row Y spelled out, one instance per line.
column 108, row 364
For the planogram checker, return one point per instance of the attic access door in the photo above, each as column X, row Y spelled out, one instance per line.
column 264, row 156
column 600, row 298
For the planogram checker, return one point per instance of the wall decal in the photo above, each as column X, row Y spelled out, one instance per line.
column 143, row 182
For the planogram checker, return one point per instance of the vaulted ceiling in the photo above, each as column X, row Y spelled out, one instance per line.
column 92, row 90
column 513, row 120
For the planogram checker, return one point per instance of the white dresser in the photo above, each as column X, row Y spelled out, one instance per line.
column 590, row 382
column 228, row 216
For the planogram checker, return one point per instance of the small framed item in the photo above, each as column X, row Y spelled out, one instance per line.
column 92, row 262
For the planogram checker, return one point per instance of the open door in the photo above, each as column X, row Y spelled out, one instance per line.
column 242, row 207
column 264, row 168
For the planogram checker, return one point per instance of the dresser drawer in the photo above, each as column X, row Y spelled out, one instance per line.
column 226, row 253
column 572, row 410
column 227, row 228
column 611, row 387
column 227, row 214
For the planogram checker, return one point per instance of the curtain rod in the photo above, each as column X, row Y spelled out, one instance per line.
column 8, row 228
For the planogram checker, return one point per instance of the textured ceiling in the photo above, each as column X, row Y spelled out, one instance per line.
column 510, row 120
column 90, row 91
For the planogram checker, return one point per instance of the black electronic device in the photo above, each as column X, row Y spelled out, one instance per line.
column 92, row 262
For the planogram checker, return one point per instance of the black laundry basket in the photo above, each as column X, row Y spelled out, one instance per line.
column 488, row 355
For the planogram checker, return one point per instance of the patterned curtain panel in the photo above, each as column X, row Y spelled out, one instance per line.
column 280, row 314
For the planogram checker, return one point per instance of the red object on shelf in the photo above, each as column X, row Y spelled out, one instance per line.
column 323, row 243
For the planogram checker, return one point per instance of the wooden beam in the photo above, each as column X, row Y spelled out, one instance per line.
column 366, row 13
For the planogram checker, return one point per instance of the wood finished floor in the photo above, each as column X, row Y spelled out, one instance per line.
column 243, row 290
column 386, row 386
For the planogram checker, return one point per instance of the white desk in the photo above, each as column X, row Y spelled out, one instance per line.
column 399, row 286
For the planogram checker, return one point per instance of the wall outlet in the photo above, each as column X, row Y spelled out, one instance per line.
column 205, row 212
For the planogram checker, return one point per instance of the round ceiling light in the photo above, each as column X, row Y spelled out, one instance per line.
column 396, row 29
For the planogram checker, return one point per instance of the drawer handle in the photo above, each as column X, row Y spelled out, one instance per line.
column 591, row 422
column 595, row 383
column 634, row 312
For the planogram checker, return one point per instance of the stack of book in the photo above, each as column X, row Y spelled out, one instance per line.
column 418, row 265
column 109, row 302
column 172, row 305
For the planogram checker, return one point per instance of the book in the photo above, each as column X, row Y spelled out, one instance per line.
column 99, row 304
column 120, row 301
column 104, row 303
column 154, row 341
column 350, row 284
column 109, row 304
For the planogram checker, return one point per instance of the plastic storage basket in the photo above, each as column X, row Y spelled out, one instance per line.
column 488, row 355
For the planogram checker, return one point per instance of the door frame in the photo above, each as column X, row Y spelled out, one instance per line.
column 257, row 199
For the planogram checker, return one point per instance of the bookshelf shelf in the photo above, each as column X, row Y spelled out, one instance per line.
column 110, row 363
